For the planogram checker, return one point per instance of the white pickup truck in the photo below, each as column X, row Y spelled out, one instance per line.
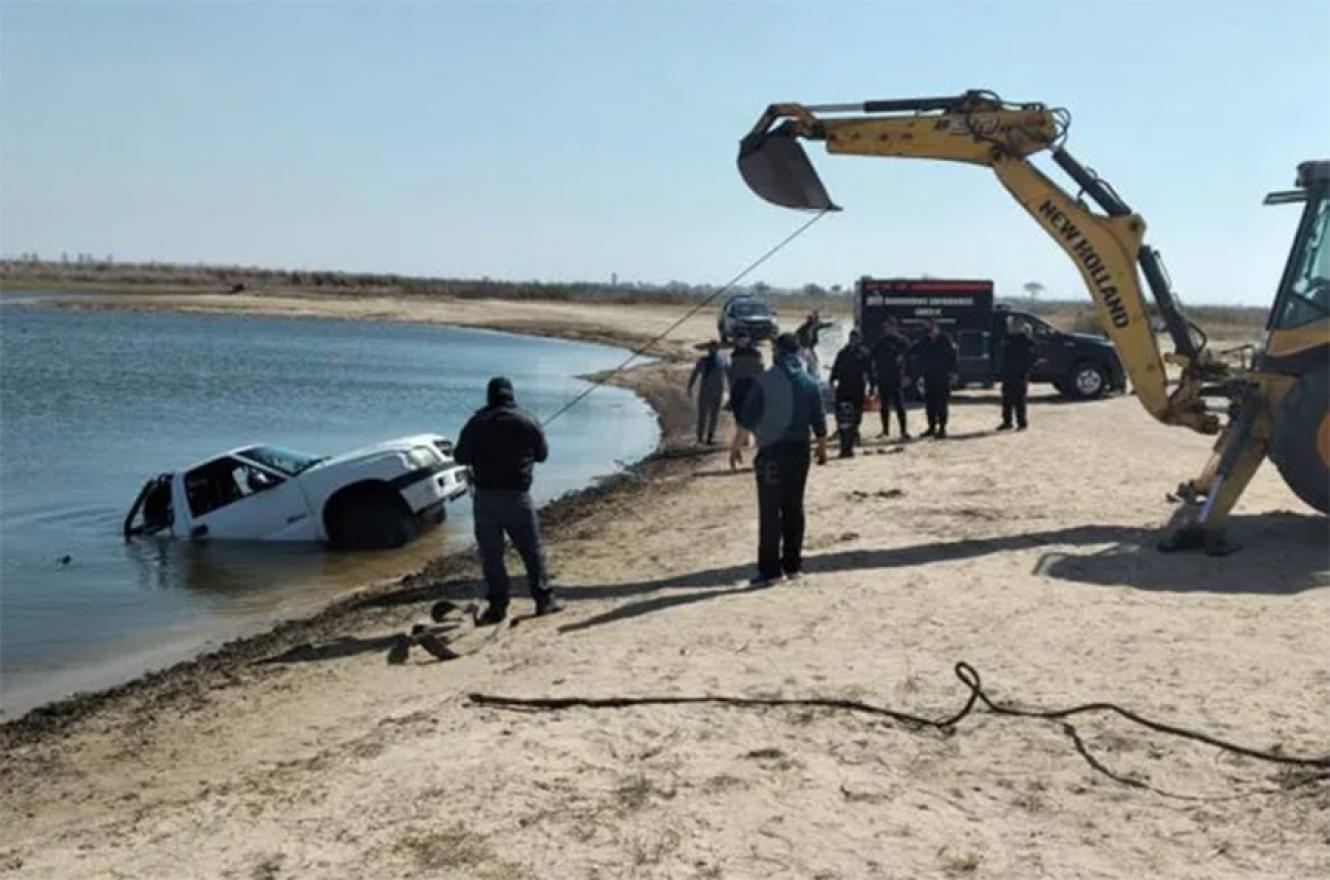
column 380, row 496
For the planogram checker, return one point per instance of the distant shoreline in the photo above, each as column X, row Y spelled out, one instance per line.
column 164, row 279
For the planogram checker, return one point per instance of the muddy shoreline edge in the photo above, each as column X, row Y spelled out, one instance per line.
column 660, row 383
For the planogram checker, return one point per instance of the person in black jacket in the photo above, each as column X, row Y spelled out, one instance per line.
column 809, row 334
column 851, row 377
column 1017, row 357
column 501, row 444
column 936, row 358
column 889, row 353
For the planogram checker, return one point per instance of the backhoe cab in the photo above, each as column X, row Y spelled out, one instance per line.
column 1276, row 408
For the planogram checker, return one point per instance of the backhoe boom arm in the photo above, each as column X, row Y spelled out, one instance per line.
column 977, row 128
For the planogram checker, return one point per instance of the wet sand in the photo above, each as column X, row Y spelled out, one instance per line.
column 303, row 752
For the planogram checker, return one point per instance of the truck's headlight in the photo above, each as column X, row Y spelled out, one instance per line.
column 422, row 456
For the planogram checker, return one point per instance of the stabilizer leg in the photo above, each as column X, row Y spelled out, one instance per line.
column 1208, row 500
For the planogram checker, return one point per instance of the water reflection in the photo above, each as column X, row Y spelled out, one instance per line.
column 231, row 569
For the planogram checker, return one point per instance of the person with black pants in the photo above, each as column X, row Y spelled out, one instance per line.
column 889, row 353
column 501, row 444
column 709, row 377
column 782, row 407
column 1017, row 357
column 851, row 377
column 937, row 363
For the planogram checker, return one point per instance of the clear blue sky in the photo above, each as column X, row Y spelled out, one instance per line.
column 571, row 141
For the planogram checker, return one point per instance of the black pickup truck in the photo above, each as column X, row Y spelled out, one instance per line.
column 1079, row 365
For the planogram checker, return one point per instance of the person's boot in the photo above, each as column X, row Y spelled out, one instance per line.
column 550, row 604
column 1005, row 426
column 1022, row 427
column 941, row 434
column 398, row 651
column 492, row 615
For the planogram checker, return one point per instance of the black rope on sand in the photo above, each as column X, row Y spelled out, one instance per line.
column 969, row 676
column 638, row 352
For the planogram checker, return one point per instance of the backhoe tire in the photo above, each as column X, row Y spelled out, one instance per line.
column 368, row 517
column 1086, row 381
column 1301, row 445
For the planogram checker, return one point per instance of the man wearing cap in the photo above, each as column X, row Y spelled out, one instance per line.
column 782, row 408
column 709, row 377
column 501, row 444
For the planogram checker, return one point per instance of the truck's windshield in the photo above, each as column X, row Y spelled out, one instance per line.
column 1307, row 296
column 280, row 459
column 749, row 310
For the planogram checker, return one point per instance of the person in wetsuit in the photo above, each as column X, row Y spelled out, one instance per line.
column 851, row 377
column 1017, row 358
column 889, row 354
column 936, row 359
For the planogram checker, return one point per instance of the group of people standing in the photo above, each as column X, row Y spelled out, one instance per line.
column 884, row 370
column 780, row 407
column 893, row 361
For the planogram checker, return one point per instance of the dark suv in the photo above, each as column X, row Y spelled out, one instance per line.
column 742, row 315
column 1079, row 365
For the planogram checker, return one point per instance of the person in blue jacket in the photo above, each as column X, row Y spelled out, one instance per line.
column 782, row 408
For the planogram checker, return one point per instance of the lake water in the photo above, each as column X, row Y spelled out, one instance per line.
column 93, row 403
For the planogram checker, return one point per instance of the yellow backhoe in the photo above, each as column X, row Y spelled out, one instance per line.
column 1276, row 406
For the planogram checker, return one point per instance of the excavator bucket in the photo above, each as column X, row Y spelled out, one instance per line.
column 775, row 166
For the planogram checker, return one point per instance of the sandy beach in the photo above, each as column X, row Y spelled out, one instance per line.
column 304, row 753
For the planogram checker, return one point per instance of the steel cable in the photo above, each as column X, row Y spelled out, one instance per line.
column 606, row 376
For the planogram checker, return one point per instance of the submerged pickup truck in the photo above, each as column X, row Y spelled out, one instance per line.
column 377, row 497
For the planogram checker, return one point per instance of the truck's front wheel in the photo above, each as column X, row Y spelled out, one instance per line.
column 1086, row 381
column 368, row 517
